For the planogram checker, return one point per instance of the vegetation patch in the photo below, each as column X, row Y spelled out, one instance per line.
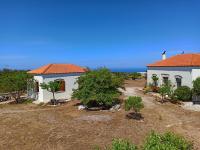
column 155, row 141
column 166, row 141
column 121, row 144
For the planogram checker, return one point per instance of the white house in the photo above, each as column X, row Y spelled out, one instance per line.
column 180, row 69
column 66, row 74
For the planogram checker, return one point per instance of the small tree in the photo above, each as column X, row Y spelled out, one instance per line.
column 155, row 80
column 134, row 103
column 98, row 88
column 165, row 89
column 52, row 86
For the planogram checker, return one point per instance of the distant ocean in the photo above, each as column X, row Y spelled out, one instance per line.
column 128, row 69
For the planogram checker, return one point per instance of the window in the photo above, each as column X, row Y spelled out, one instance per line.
column 178, row 81
column 62, row 85
column 165, row 78
column 36, row 86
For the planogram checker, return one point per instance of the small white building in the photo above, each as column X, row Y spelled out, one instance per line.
column 66, row 74
column 180, row 69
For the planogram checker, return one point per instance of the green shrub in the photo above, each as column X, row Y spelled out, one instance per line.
column 182, row 93
column 167, row 141
column 98, row 88
column 166, row 89
column 120, row 144
column 27, row 101
column 135, row 103
column 196, row 86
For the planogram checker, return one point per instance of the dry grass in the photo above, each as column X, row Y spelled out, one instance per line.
column 60, row 128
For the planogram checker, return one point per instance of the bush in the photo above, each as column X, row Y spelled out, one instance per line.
column 98, row 88
column 183, row 93
column 120, row 144
column 166, row 89
column 135, row 103
column 196, row 86
column 167, row 141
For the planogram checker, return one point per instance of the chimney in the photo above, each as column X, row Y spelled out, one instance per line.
column 164, row 55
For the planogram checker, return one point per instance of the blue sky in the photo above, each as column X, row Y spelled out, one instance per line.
column 94, row 33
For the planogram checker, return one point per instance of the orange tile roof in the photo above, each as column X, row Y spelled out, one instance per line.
column 181, row 60
column 58, row 69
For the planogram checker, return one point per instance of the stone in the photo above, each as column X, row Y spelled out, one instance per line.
column 81, row 107
column 115, row 107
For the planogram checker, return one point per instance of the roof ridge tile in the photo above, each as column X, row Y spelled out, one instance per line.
column 47, row 68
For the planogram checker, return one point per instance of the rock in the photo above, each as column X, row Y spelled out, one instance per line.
column 81, row 107
column 115, row 107
column 1, row 98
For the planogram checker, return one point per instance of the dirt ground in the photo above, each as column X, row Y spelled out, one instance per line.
column 66, row 128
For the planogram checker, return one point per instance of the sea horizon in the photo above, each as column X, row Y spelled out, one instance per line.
column 142, row 69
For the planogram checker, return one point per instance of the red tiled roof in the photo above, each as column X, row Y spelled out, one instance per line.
column 58, row 69
column 181, row 60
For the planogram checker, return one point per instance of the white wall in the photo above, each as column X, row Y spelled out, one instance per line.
column 70, row 84
column 184, row 72
column 195, row 73
column 39, row 95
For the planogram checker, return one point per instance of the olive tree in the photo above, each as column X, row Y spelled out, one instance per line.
column 52, row 86
column 134, row 103
column 14, row 82
column 98, row 88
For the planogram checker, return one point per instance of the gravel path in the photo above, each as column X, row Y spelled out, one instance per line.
column 134, row 91
column 190, row 106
